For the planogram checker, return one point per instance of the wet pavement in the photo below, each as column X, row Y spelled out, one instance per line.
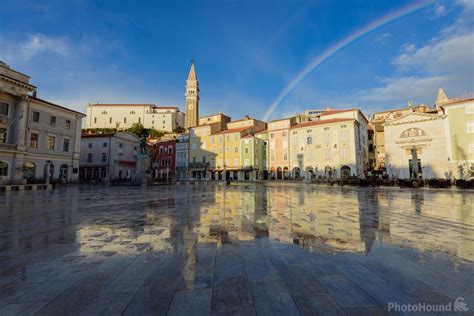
column 286, row 249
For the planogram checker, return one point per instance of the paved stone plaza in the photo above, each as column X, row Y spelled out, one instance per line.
column 204, row 249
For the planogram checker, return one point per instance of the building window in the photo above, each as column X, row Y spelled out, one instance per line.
column 326, row 128
column 344, row 126
column 36, row 117
column 236, row 161
column 246, row 150
column 104, row 112
column 285, row 156
column 284, row 133
column 3, row 135
column 89, row 145
column 170, row 150
column 161, row 150
column 125, row 120
column 89, row 158
column 236, row 149
column 104, row 145
column 327, row 154
column 327, row 138
column 308, row 131
column 470, row 128
column 139, row 120
column 104, row 158
column 227, row 138
column 67, row 124
column 34, row 139
column 110, row 120
column 3, row 169
column 3, row 109
column 52, row 121
column 272, row 156
column 132, row 112
column 66, row 144
column 344, row 153
column 120, row 145
column 370, row 136
column 309, row 140
column 236, row 136
column 344, row 136
column 272, row 135
column 95, row 120
column 204, row 159
column 413, row 132
column 51, row 141
column 194, row 146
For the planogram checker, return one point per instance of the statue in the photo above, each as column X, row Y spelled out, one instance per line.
column 143, row 143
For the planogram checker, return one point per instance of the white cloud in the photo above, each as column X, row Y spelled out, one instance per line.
column 382, row 38
column 36, row 44
column 439, row 11
column 446, row 60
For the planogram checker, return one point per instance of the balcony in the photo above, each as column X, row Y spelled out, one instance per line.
column 4, row 146
column 198, row 165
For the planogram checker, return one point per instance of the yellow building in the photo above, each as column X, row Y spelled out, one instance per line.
column 460, row 124
column 202, row 157
column 326, row 148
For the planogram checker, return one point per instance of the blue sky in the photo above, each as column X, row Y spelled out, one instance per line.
column 246, row 52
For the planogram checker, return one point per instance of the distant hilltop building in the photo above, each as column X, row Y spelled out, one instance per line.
column 123, row 116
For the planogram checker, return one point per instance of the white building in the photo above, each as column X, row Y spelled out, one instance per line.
column 108, row 156
column 35, row 135
column 123, row 116
column 182, row 151
column 420, row 136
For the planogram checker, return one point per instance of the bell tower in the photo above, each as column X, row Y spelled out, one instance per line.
column 192, row 98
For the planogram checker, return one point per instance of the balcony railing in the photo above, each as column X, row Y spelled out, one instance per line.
column 5, row 146
column 198, row 165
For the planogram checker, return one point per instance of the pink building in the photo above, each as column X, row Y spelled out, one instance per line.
column 279, row 149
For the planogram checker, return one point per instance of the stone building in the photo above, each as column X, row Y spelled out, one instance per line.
column 201, row 159
column 416, row 146
column 192, row 98
column 182, row 151
column 279, row 148
column 378, row 121
column 38, row 139
column 165, row 159
column 460, row 125
column 123, row 116
column 328, row 148
column 109, row 156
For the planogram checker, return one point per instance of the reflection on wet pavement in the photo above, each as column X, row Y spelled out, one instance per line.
column 247, row 249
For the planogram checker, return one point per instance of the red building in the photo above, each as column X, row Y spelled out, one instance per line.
column 165, row 158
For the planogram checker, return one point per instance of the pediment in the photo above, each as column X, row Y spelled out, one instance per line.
column 414, row 118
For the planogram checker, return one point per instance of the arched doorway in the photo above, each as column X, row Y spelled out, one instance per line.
column 279, row 173
column 296, row 173
column 29, row 170
column 328, row 172
column 309, row 172
column 286, row 173
column 345, row 171
column 51, row 170
column 63, row 173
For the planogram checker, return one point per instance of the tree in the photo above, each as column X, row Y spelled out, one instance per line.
column 179, row 129
column 137, row 129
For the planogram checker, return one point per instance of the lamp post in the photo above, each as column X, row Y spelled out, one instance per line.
column 48, row 162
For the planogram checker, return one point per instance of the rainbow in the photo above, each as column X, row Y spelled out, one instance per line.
column 336, row 47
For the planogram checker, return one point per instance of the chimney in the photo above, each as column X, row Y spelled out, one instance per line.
column 247, row 117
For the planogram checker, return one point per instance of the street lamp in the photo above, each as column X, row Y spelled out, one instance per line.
column 48, row 162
